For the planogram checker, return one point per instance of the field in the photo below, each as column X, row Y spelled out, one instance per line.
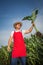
column 34, row 46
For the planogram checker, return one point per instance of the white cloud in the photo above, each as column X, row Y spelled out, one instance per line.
column 39, row 23
column 4, row 36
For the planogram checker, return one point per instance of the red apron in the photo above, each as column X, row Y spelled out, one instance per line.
column 19, row 48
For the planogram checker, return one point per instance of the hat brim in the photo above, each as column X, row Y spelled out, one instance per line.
column 17, row 23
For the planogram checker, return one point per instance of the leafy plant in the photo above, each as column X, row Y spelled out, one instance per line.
column 32, row 17
column 34, row 46
column 34, row 50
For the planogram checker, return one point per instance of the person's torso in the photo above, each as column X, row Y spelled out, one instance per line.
column 19, row 45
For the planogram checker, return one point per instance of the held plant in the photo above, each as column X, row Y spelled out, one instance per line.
column 32, row 17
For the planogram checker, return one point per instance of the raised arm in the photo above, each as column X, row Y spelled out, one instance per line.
column 29, row 30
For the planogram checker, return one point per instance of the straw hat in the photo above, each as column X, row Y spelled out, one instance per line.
column 16, row 24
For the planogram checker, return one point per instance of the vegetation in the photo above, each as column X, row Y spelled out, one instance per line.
column 34, row 50
column 34, row 46
column 32, row 17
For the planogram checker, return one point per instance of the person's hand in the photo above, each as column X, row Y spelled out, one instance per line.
column 33, row 24
column 8, row 49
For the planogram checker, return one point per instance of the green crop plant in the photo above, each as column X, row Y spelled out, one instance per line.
column 34, row 47
column 32, row 17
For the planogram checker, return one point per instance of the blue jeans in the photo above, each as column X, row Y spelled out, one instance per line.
column 22, row 60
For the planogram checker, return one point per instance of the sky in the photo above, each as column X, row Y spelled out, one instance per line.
column 12, row 11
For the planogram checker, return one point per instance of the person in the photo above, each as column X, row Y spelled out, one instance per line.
column 19, row 46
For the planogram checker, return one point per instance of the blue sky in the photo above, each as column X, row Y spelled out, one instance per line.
column 14, row 10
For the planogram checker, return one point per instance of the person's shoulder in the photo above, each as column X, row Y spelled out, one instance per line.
column 12, row 33
column 23, row 31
